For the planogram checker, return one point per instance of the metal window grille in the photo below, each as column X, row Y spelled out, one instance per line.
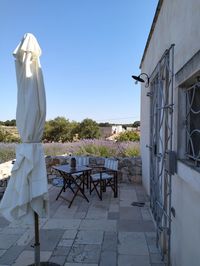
column 192, row 124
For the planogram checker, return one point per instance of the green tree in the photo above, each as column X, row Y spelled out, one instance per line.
column 106, row 124
column 136, row 124
column 128, row 136
column 59, row 130
column 88, row 129
column 10, row 123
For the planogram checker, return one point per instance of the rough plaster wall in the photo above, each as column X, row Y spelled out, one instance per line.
column 144, row 139
column 178, row 23
column 186, row 224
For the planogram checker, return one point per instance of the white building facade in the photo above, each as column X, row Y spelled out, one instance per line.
column 170, row 129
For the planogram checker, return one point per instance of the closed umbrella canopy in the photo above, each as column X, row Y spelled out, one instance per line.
column 27, row 190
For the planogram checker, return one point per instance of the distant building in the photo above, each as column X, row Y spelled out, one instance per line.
column 111, row 130
column 133, row 128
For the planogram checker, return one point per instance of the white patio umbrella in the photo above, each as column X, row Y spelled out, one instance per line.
column 26, row 195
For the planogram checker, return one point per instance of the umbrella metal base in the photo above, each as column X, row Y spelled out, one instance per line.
column 46, row 264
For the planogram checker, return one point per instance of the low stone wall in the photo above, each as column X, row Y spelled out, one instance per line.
column 130, row 168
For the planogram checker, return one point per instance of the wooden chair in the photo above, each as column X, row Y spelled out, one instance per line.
column 105, row 177
column 82, row 161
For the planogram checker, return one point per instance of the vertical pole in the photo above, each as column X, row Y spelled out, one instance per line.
column 37, row 240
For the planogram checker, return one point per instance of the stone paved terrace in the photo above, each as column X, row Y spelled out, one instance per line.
column 111, row 232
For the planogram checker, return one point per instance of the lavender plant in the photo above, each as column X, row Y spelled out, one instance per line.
column 94, row 147
column 7, row 152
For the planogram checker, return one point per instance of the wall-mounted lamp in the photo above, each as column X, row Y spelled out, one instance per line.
column 138, row 78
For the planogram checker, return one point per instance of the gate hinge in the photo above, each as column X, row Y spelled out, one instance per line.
column 149, row 94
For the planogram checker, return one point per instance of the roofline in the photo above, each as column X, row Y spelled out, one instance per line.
column 152, row 29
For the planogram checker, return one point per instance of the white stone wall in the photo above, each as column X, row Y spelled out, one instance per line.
column 178, row 23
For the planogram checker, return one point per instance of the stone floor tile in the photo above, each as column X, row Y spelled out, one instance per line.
column 155, row 264
column 156, row 258
column 10, row 255
column 80, row 215
column 105, row 225
column 128, row 194
column 55, row 204
column 66, row 242
column 108, row 258
column 96, row 214
column 82, row 207
column 55, row 223
column 129, row 260
column 69, row 234
column 63, row 211
column 48, row 239
column 3, row 222
column 84, row 254
column 13, row 231
column 6, row 241
column 142, row 197
column 27, row 257
column 113, row 207
column 110, row 241
column 2, row 251
column 146, row 215
column 130, row 213
column 61, row 251
column 19, row 224
column 135, row 226
column 25, row 238
column 151, row 238
column 153, row 249
column 132, row 243
column 113, row 215
column 89, row 237
column 59, row 260
column 79, row 264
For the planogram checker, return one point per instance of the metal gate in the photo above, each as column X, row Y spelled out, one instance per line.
column 161, row 154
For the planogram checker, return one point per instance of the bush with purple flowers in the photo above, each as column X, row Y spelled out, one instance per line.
column 95, row 147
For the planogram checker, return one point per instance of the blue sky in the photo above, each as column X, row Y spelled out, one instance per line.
column 90, row 49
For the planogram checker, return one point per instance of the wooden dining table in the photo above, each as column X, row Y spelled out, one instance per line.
column 74, row 178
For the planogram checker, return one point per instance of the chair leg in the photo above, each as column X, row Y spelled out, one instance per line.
column 95, row 187
column 90, row 185
column 116, row 186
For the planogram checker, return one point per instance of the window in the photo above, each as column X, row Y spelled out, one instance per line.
column 192, row 122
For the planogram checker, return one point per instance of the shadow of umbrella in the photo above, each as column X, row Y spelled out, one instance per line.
column 26, row 196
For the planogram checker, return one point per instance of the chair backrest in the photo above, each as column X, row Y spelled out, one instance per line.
column 82, row 160
column 111, row 164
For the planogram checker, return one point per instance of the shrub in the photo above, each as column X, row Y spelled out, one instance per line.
column 131, row 152
column 102, row 148
column 96, row 150
column 7, row 152
column 128, row 136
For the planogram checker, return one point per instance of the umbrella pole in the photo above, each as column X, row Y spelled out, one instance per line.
column 37, row 240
